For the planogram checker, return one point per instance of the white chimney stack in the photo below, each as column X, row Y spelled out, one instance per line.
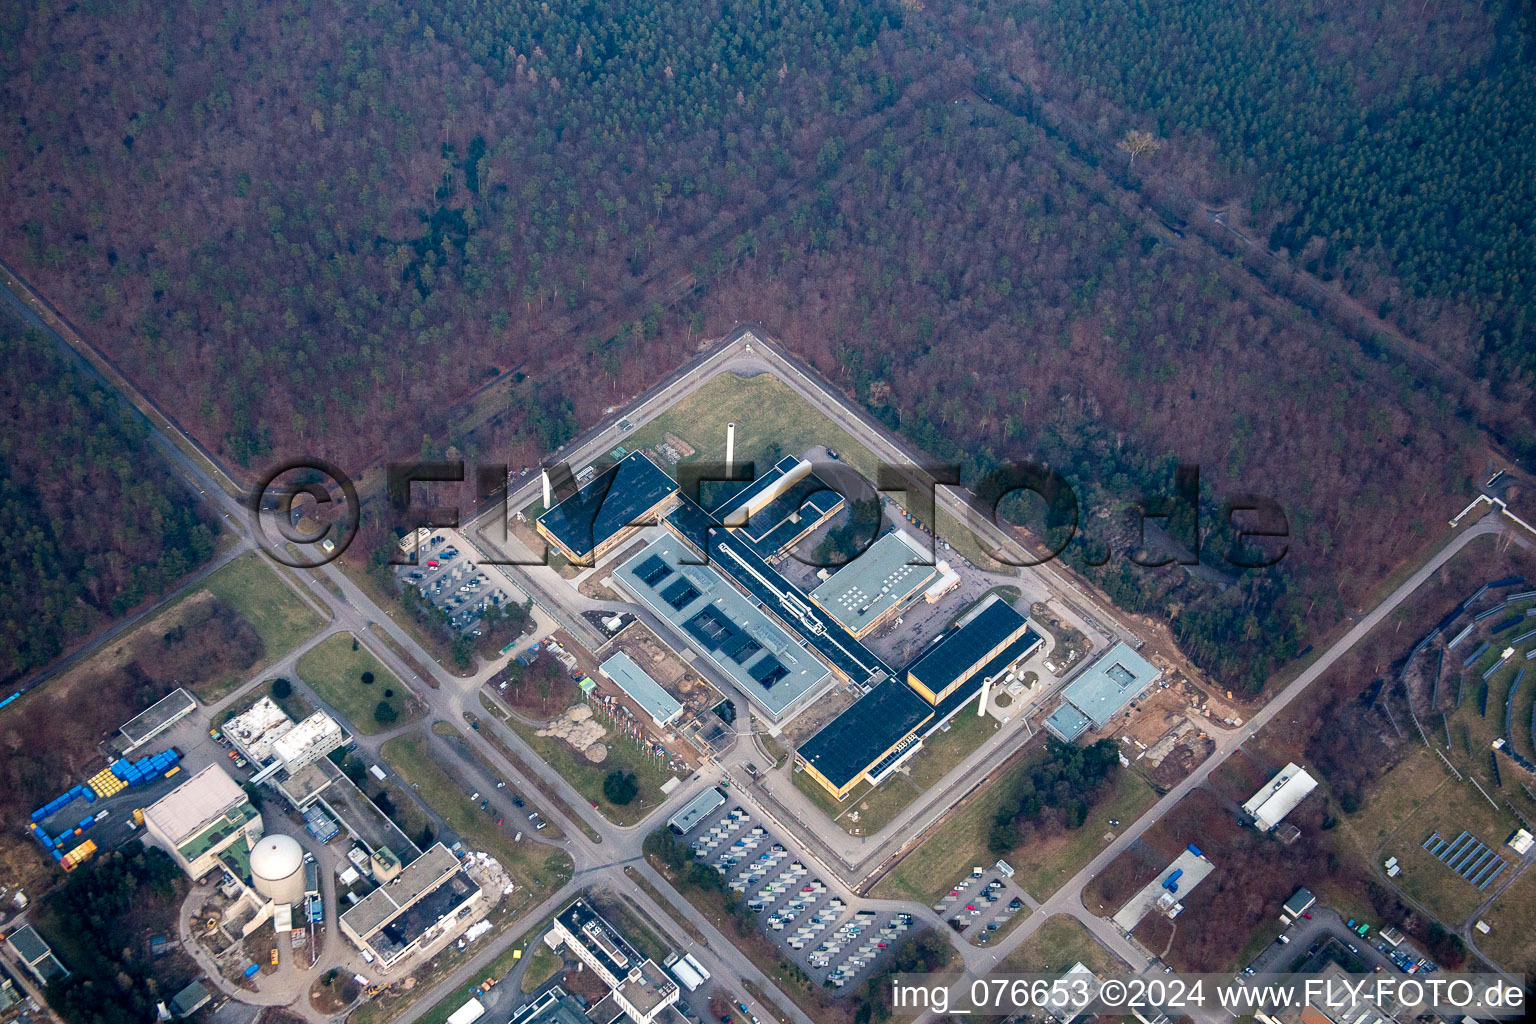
column 981, row 705
column 730, row 447
column 547, row 494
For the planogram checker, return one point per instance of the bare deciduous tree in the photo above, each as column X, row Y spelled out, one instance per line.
column 1137, row 142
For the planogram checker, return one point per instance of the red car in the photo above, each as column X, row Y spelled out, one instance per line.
column 431, row 563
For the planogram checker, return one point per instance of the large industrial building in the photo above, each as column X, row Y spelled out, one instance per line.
column 1270, row 805
column 881, row 730
column 764, row 661
column 637, row 985
column 779, row 508
column 869, row 591
column 1103, row 691
column 601, row 515
column 201, row 820
column 420, row 905
column 960, row 656
column 154, row 720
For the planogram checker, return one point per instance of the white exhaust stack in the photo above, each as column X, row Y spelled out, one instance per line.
column 547, row 495
column 730, row 447
column 981, row 705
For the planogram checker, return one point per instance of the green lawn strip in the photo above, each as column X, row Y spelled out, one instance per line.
column 535, row 866
column 953, row 848
column 587, row 778
column 960, row 843
column 824, row 802
column 400, row 652
column 632, row 923
column 335, row 671
column 877, row 807
column 547, row 793
column 1055, row 946
column 1428, row 880
column 678, row 918
column 771, row 419
column 543, row 964
column 551, row 830
column 993, row 938
column 1069, row 851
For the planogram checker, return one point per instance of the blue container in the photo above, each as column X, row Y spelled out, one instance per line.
column 250, row 972
column 1195, row 850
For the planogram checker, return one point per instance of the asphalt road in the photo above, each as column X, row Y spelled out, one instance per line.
column 602, row 862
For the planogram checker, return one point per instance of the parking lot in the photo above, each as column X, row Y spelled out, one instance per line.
column 981, row 903
column 448, row 579
column 832, row 941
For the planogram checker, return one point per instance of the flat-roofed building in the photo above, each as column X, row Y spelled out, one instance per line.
column 868, row 592
column 1104, row 689
column 979, row 638
column 839, row 755
column 308, row 742
column 663, row 708
column 155, row 719
column 780, row 507
column 254, row 730
column 202, row 819
column 605, row 512
column 1279, row 797
column 638, row 986
column 696, row 810
column 714, row 618
column 425, row 902
column 36, row 955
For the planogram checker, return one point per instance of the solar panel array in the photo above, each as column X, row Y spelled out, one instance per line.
column 1468, row 856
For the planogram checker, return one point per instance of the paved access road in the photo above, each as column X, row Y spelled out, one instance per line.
column 601, row 861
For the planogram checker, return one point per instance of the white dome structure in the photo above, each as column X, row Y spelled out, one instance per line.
column 277, row 868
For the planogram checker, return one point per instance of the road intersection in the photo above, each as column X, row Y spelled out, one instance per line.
column 602, row 861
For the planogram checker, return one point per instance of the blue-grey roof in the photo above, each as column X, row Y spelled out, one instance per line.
column 866, row 588
column 611, row 501
column 645, row 691
column 1117, row 678
column 1067, row 723
column 696, row 810
column 769, row 665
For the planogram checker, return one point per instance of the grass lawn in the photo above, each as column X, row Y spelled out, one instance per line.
column 588, row 778
column 1399, row 794
column 771, row 421
column 877, row 807
column 1512, row 941
column 678, row 918
column 1043, row 867
column 543, row 963
column 1444, row 893
column 537, row 867
column 960, row 843
column 335, row 671
column 1059, row 943
column 546, row 791
column 280, row 617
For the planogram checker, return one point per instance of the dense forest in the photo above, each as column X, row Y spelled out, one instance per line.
column 100, row 922
column 1390, row 147
column 92, row 522
column 372, row 231
column 1055, row 794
